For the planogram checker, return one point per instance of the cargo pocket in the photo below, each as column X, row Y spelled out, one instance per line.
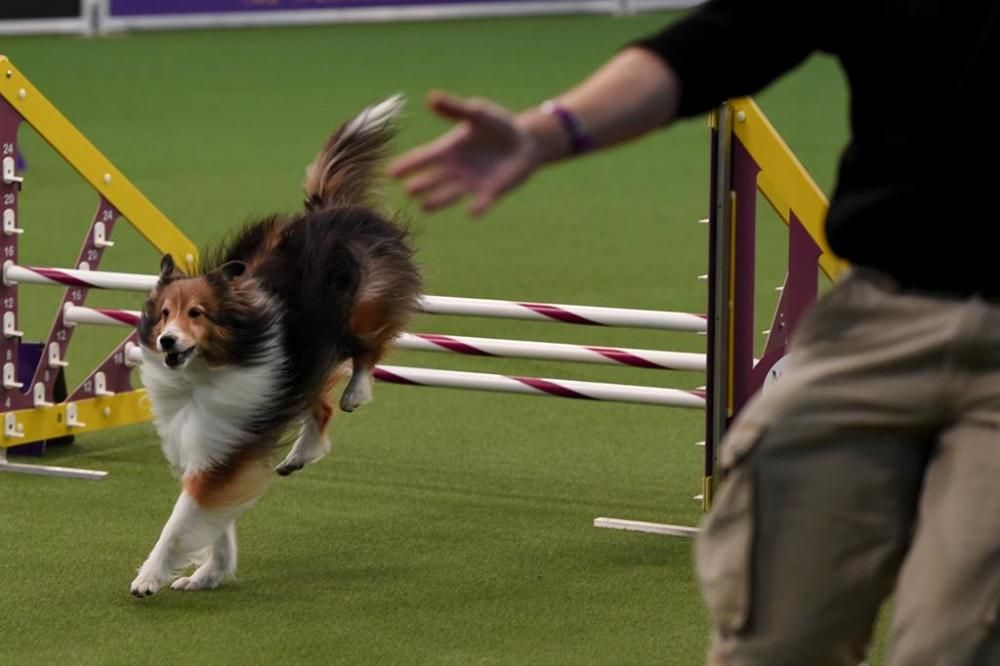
column 992, row 618
column 988, row 651
column 724, row 548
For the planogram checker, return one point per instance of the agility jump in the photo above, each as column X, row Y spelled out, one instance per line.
column 747, row 156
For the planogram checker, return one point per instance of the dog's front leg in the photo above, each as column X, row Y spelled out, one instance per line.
column 217, row 567
column 189, row 530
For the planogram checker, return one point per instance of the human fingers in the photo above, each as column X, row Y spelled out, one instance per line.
column 423, row 156
column 427, row 180
column 446, row 194
column 496, row 186
column 476, row 110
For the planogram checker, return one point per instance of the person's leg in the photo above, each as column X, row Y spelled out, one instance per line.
column 948, row 600
column 804, row 543
column 822, row 475
column 948, row 603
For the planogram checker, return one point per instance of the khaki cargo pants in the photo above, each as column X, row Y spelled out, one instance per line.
column 873, row 462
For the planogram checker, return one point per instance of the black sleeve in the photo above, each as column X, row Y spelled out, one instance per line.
column 731, row 48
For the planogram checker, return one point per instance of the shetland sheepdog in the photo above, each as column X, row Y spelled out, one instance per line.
column 249, row 349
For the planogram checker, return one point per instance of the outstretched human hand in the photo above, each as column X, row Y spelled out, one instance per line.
column 488, row 153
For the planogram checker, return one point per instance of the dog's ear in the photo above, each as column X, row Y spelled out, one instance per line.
column 228, row 271
column 168, row 269
column 233, row 269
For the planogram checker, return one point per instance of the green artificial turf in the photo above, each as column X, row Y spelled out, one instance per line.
column 446, row 527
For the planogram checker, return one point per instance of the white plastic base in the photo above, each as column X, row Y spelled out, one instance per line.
column 648, row 528
column 47, row 470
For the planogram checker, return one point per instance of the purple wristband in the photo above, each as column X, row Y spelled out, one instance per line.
column 579, row 140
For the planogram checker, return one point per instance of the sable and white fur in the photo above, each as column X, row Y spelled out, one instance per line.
column 249, row 349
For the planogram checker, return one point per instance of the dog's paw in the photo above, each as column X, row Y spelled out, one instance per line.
column 145, row 585
column 358, row 392
column 288, row 467
column 199, row 580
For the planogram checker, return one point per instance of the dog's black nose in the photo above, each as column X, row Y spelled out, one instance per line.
column 167, row 342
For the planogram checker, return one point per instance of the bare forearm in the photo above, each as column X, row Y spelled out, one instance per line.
column 633, row 94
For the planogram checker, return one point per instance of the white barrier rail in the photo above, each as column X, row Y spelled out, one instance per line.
column 470, row 346
column 536, row 386
column 587, row 315
column 561, row 388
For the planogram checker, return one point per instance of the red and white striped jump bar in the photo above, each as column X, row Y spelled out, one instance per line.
column 560, row 388
column 76, row 314
column 552, row 351
column 537, row 386
column 588, row 315
column 67, row 277
column 546, row 351
column 440, row 305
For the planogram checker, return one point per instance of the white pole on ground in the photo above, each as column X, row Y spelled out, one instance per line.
column 47, row 470
column 647, row 528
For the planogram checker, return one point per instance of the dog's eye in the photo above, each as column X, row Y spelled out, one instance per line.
column 194, row 313
column 165, row 313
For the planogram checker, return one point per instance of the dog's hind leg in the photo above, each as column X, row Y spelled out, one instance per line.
column 375, row 322
column 312, row 443
column 385, row 301
column 359, row 389
column 374, row 325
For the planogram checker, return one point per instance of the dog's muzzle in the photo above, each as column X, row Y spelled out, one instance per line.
column 175, row 358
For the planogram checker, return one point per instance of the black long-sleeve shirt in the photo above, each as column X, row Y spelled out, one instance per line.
column 918, row 189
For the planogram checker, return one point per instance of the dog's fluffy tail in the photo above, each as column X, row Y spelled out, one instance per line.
column 346, row 170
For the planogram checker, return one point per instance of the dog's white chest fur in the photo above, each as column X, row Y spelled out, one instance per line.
column 201, row 413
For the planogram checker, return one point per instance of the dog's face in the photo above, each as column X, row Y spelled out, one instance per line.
column 184, row 317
